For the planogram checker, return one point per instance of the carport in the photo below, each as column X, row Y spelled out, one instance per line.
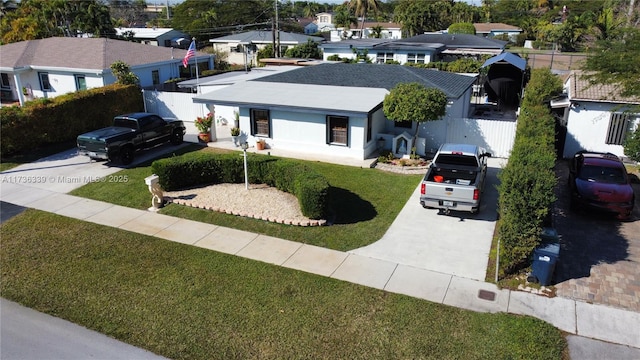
column 505, row 80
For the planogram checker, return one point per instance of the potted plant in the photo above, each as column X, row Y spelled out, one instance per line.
column 260, row 143
column 235, row 132
column 203, row 124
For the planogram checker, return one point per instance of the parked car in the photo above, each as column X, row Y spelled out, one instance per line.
column 599, row 181
column 130, row 132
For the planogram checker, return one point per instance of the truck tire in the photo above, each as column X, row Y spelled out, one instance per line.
column 177, row 137
column 126, row 155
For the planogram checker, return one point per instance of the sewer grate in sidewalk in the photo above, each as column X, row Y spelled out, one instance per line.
column 487, row 295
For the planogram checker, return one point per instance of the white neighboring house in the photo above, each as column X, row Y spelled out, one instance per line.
column 388, row 31
column 336, row 109
column 419, row 49
column 166, row 37
column 597, row 117
column 243, row 47
column 324, row 22
column 50, row 67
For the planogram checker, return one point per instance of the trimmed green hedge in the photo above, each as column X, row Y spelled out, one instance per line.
column 195, row 169
column 63, row 118
column 526, row 190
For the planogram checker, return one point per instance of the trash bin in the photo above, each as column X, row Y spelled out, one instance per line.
column 545, row 257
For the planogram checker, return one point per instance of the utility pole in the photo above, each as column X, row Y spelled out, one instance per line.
column 277, row 38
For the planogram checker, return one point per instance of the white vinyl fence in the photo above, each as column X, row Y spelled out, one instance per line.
column 179, row 105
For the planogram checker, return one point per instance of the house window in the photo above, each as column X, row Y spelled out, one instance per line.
column 618, row 125
column 337, row 130
column 383, row 57
column 415, row 58
column 260, row 123
column 45, row 85
column 369, row 125
column 155, row 76
column 81, row 82
column 4, row 81
column 404, row 124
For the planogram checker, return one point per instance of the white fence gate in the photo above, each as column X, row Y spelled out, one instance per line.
column 496, row 136
column 180, row 105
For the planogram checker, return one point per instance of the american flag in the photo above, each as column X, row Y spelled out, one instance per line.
column 190, row 53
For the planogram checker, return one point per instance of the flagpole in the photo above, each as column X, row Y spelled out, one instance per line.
column 195, row 55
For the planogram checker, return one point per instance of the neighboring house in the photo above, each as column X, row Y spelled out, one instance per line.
column 421, row 49
column 494, row 29
column 324, row 22
column 389, row 31
column 243, row 47
column 50, row 67
column 166, row 37
column 309, row 25
column 336, row 109
column 595, row 117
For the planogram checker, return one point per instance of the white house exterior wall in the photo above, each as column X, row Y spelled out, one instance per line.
column 61, row 83
column 308, row 135
column 587, row 127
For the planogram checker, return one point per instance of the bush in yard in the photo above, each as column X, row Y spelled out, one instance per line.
column 632, row 145
column 526, row 190
column 63, row 118
column 194, row 169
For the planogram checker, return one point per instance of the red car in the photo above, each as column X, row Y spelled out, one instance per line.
column 599, row 181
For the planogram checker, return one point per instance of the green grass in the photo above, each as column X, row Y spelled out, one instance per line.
column 365, row 201
column 185, row 302
column 9, row 162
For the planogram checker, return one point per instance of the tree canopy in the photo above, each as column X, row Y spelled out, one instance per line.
column 414, row 102
column 615, row 61
column 38, row 19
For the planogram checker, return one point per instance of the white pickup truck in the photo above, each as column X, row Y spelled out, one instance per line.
column 455, row 178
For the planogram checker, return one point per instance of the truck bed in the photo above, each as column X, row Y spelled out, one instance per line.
column 452, row 176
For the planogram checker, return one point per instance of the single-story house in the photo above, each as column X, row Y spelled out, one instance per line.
column 336, row 109
column 166, row 37
column 243, row 47
column 495, row 29
column 46, row 68
column 389, row 31
column 420, row 49
column 595, row 117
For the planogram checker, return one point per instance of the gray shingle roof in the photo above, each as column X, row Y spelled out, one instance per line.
column 84, row 53
column 452, row 41
column 382, row 76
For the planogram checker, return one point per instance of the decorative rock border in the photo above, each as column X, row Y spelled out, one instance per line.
column 409, row 170
column 307, row 223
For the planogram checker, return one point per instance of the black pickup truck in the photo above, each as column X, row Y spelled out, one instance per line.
column 130, row 132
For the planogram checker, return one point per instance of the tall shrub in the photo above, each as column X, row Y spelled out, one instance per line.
column 63, row 118
column 526, row 190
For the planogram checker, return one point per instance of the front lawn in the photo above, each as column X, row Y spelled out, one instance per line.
column 366, row 202
column 184, row 302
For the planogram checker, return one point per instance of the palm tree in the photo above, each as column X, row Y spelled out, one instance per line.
column 342, row 18
column 311, row 9
column 362, row 7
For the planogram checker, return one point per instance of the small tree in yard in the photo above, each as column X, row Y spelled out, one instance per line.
column 414, row 102
column 632, row 145
column 123, row 73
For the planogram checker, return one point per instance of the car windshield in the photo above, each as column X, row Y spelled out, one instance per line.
column 126, row 123
column 605, row 174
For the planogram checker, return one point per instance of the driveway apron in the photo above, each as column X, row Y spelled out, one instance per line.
column 457, row 244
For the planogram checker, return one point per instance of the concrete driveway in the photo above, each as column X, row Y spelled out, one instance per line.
column 67, row 171
column 599, row 255
column 456, row 244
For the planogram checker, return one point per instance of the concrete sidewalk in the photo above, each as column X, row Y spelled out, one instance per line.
column 587, row 320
